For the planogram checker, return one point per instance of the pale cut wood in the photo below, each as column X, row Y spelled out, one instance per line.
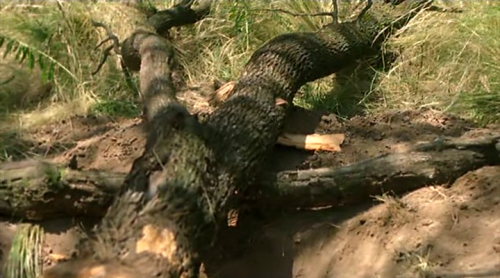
column 313, row 142
column 37, row 190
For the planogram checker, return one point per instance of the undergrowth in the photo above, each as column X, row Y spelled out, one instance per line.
column 445, row 61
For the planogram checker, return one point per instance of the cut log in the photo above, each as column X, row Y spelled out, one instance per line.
column 428, row 164
column 36, row 190
column 312, row 142
column 165, row 218
column 75, row 193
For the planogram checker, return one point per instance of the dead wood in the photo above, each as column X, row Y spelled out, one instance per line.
column 161, row 22
column 179, row 15
column 431, row 163
column 166, row 215
column 37, row 190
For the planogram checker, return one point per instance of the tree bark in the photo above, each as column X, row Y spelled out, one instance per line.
column 29, row 191
column 166, row 215
column 37, row 190
column 431, row 163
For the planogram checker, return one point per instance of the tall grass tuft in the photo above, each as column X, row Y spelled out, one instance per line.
column 25, row 257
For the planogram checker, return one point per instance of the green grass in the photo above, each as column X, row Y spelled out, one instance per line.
column 445, row 61
column 449, row 62
column 442, row 60
column 25, row 257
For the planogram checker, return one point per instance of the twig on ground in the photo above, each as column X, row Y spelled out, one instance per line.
column 435, row 8
column 335, row 12
column 369, row 4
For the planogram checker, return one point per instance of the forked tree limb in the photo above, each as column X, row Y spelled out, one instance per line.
column 179, row 15
column 37, row 190
column 162, row 21
column 107, row 51
column 178, row 193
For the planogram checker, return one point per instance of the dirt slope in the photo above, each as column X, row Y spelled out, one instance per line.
column 432, row 230
column 438, row 229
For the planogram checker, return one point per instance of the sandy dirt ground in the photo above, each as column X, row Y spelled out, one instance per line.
column 450, row 230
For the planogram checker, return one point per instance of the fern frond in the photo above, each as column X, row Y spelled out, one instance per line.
column 23, row 52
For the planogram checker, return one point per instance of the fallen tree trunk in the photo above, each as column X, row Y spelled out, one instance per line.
column 427, row 164
column 37, row 190
column 177, row 195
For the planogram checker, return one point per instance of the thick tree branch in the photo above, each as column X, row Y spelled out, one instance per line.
column 50, row 190
column 427, row 164
column 178, row 193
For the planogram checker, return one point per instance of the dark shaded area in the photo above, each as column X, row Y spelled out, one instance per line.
column 353, row 88
column 250, row 250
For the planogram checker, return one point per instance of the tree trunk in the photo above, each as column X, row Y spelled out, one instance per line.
column 427, row 164
column 37, row 190
column 165, row 217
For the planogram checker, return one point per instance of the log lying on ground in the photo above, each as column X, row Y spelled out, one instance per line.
column 37, row 190
column 40, row 190
column 428, row 164
column 178, row 193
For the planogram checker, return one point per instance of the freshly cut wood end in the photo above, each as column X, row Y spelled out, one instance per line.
column 232, row 218
column 223, row 93
column 158, row 241
column 281, row 102
column 313, row 142
column 58, row 257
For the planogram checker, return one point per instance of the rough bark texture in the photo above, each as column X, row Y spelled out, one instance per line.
column 75, row 193
column 180, row 15
column 37, row 190
column 244, row 129
column 165, row 217
column 427, row 164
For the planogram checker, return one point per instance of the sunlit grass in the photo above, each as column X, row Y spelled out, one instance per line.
column 449, row 62
column 446, row 61
column 25, row 257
